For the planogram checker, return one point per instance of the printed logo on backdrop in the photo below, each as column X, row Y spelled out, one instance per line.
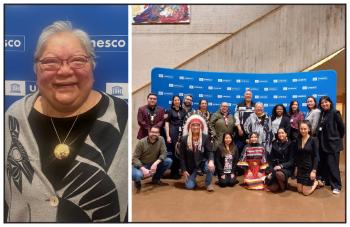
column 279, row 97
column 309, row 88
column 203, row 96
column 15, row 88
column 260, row 81
column 233, row 88
column 201, row 79
column 165, row 76
column 319, row 78
column 252, row 88
column 165, row 93
column 214, row 88
column 195, row 87
column 185, row 78
column 289, row 88
column 176, row 85
column 270, row 88
column 279, row 81
column 109, row 43
column 242, row 81
column 15, row 43
column 296, row 80
column 119, row 90
column 224, row 80
column 223, row 96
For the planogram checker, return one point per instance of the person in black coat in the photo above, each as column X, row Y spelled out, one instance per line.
column 173, row 125
column 281, row 162
column 226, row 158
column 330, row 134
column 280, row 119
column 306, row 159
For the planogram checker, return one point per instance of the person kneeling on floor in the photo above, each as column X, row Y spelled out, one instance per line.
column 196, row 152
column 150, row 158
column 226, row 158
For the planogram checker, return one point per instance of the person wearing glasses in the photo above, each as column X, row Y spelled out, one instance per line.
column 66, row 145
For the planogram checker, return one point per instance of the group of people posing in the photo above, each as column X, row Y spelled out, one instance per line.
column 266, row 150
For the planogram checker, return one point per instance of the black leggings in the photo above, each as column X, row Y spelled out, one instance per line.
column 228, row 181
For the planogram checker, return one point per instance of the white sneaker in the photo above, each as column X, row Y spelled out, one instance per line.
column 336, row 191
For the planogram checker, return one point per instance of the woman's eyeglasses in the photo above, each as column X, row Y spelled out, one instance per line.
column 54, row 63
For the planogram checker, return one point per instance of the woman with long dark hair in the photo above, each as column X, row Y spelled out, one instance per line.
column 295, row 116
column 281, row 162
column 313, row 113
column 226, row 158
column 173, row 126
column 330, row 134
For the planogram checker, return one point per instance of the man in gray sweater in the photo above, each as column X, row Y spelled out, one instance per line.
column 150, row 158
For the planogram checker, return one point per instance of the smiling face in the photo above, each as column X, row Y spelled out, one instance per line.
column 253, row 138
column 259, row 109
column 153, row 134
column 311, row 103
column 325, row 105
column 282, row 135
column 152, row 100
column 279, row 111
column 176, row 101
column 248, row 96
column 227, row 139
column 294, row 106
column 224, row 107
column 66, row 89
column 203, row 105
column 304, row 129
column 188, row 101
column 195, row 128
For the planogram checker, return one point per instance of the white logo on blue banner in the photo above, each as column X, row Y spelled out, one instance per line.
column 109, row 43
column 15, row 87
column 15, row 43
column 117, row 89
column 270, row 89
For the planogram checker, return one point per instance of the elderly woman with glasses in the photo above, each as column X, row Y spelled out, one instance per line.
column 66, row 145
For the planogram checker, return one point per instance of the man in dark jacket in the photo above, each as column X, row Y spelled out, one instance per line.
column 149, row 115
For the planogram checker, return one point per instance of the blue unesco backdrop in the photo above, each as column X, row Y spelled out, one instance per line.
column 217, row 87
column 107, row 26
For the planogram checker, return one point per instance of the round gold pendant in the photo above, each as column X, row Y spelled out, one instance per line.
column 61, row 151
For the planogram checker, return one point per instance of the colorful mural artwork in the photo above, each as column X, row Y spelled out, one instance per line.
column 161, row 14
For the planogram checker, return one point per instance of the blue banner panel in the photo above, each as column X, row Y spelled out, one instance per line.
column 218, row 87
column 107, row 26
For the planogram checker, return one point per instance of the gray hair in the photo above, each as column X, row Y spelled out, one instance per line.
column 64, row 26
column 259, row 104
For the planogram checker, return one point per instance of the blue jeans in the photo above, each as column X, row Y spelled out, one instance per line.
column 137, row 174
column 191, row 180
